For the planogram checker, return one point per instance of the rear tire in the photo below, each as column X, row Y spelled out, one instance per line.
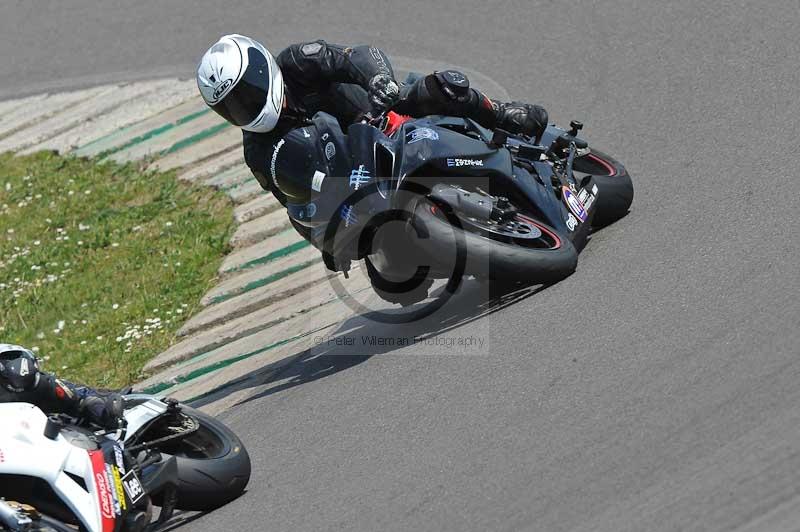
column 492, row 259
column 614, row 184
column 213, row 465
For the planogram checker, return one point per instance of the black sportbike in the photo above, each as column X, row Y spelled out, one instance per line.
column 462, row 200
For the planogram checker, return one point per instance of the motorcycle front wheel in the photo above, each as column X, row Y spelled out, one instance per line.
column 522, row 249
column 614, row 183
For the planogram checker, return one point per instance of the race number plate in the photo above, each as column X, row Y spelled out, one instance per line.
column 133, row 487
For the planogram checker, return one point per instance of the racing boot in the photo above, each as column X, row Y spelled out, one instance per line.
column 520, row 118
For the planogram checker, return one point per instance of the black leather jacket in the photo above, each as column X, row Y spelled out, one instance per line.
column 50, row 394
column 319, row 76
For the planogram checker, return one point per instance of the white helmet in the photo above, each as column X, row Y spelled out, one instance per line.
column 240, row 80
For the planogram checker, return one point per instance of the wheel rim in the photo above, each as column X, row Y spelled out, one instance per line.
column 516, row 229
column 203, row 444
column 522, row 230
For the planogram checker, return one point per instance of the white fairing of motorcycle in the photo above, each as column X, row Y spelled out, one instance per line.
column 24, row 450
column 138, row 416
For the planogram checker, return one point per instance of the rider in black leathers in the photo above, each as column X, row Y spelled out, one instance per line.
column 348, row 83
column 21, row 381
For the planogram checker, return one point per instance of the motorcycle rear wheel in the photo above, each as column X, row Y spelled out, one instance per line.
column 213, row 465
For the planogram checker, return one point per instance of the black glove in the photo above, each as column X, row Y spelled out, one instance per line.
column 105, row 411
column 518, row 117
column 383, row 93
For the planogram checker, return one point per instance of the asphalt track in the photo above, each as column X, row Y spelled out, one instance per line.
column 655, row 389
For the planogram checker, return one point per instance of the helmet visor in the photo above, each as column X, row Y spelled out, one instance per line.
column 246, row 100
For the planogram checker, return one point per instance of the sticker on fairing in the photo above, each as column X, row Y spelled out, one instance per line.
column 572, row 222
column 103, row 489
column 316, row 181
column 118, row 505
column 589, row 202
column 119, row 459
column 422, row 133
column 133, row 487
column 574, row 204
column 119, row 492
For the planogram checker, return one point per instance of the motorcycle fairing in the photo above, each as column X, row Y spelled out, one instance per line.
column 447, row 144
column 27, row 452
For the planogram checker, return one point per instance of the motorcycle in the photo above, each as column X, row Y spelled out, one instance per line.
column 488, row 204
column 58, row 473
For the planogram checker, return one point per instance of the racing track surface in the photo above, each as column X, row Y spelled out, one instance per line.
column 656, row 389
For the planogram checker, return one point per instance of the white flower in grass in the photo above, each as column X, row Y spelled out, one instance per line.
column 71, row 193
column 168, row 224
column 40, row 336
column 84, row 342
column 82, row 227
column 115, row 245
column 115, row 306
column 88, row 192
column 99, row 338
column 80, row 242
column 8, row 187
column 37, row 242
column 10, row 231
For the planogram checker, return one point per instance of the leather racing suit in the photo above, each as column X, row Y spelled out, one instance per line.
column 53, row 395
column 334, row 79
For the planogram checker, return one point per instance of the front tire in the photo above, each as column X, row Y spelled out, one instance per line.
column 493, row 259
column 613, row 182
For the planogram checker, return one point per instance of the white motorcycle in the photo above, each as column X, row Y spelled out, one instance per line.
column 58, row 474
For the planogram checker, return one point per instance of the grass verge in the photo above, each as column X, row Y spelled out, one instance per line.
column 100, row 264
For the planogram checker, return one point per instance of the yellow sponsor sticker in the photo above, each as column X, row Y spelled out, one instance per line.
column 118, row 486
